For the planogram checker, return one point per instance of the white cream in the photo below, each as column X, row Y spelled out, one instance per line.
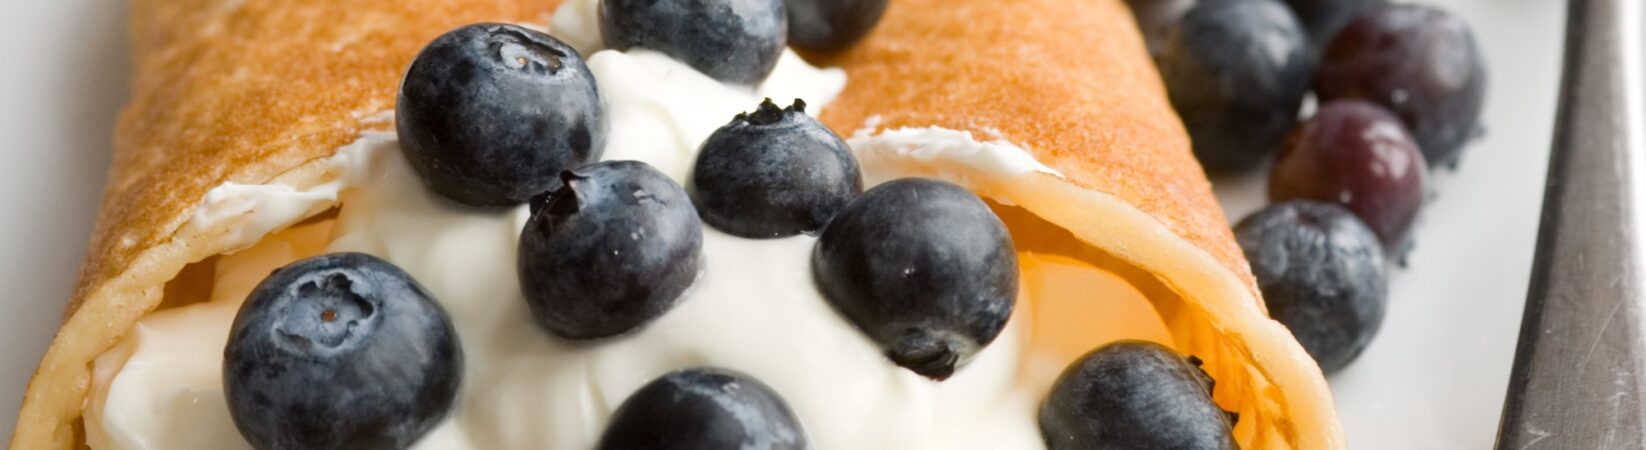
column 886, row 154
column 754, row 309
column 251, row 211
column 161, row 388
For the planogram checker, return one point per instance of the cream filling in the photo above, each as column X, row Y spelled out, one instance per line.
column 754, row 309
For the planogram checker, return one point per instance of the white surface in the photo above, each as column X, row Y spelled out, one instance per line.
column 63, row 79
column 1434, row 378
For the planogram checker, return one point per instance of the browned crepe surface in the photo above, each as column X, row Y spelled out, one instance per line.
column 1039, row 74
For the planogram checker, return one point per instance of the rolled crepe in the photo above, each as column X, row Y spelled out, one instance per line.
column 266, row 91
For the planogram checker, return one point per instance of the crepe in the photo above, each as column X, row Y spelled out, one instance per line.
column 265, row 91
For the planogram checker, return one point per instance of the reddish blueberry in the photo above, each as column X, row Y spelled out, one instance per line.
column 1421, row 63
column 1356, row 154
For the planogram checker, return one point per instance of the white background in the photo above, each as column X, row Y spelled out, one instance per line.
column 1434, row 378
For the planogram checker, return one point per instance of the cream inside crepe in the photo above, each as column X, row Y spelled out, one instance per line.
column 1127, row 210
column 754, row 309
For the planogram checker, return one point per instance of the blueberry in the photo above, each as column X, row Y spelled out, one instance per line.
column 924, row 268
column 1134, row 395
column 1157, row 18
column 1236, row 71
column 704, row 409
column 1322, row 18
column 489, row 113
column 773, row 173
column 1356, row 154
column 1421, row 63
column 340, row 351
column 609, row 250
column 830, row 25
column 1321, row 273
column 734, row 41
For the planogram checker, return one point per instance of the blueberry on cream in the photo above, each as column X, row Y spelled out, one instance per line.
column 734, row 41
column 704, row 409
column 923, row 267
column 340, row 351
column 609, row 250
column 488, row 114
column 775, row 172
column 1134, row 395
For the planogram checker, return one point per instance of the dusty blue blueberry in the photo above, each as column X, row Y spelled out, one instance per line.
column 340, row 351
column 610, row 249
column 734, row 41
column 1322, row 275
column 924, row 268
column 773, row 173
column 1134, row 395
column 704, row 409
column 488, row 114
column 1236, row 72
column 830, row 25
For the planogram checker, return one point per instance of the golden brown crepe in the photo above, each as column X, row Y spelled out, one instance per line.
column 264, row 91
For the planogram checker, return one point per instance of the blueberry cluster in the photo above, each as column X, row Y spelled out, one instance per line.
column 1238, row 71
column 924, row 267
column 495, row 115
column 1400, row 88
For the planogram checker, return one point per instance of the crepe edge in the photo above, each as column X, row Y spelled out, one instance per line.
column 243, row 91
column 1091, row 106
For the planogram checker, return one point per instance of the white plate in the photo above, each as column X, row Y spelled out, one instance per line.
column 1434, row 378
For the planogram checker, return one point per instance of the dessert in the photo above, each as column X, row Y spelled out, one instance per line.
column 1106, row 218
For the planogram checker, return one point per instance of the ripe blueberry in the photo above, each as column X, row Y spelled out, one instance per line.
column 773, row 173
column 1322, row 275
column 1134, row 394
column 340, row 351
column 1236, row 71
column 1421, row 63
column 734, row 41
column 609, row 250
column 704, row 409
column 1356, row 154
column 924, row 268
column 489, row 113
